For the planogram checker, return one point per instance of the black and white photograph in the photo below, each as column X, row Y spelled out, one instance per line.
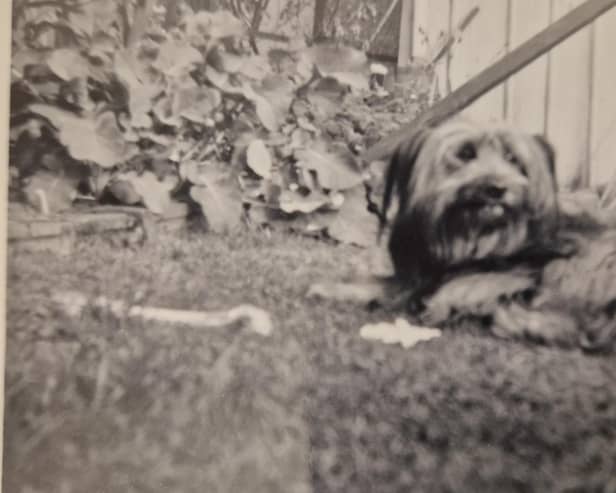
column 309, row 246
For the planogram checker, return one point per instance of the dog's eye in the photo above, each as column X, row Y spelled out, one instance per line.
column 511, row 157
column 467, row 152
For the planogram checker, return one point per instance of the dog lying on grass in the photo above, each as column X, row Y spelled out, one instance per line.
column 478, row 236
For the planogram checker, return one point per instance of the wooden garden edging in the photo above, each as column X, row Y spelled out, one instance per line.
column 497, row 73
column 59, row 232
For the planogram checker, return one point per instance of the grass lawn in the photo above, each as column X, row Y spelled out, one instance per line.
column 105, row 406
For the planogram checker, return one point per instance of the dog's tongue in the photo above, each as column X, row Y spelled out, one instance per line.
column 491, row 212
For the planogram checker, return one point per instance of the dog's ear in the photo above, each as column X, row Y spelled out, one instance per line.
column 399, row 171
column 549, row 151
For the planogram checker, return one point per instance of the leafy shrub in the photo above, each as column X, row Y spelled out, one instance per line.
column 123, row 109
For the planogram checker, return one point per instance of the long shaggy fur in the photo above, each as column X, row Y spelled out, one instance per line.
column 478, row 239
column 477, row 233
column 468, row 195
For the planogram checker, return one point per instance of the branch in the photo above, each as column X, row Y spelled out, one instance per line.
column 234, row 8
column 449, row 41
column 257, row 16
column 272, row 37
column 332, row 16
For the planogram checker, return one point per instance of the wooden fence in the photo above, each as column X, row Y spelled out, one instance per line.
column 569, row 94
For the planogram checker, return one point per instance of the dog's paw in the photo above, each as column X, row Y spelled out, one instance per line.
column 361, row 293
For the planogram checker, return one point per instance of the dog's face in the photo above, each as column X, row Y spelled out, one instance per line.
column 468, row 194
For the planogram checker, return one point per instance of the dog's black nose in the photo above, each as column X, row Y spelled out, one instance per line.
column 493, row 192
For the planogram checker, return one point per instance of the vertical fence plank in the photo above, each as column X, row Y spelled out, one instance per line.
column 439, row 29
column 568, row 93
column 483, row 42
column 431, row 28
column 406, row 33
column 603, row 121
column 526, row 90
column 568, row 103
column 421, row 27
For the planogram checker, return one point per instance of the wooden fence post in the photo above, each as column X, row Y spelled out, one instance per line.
column 406, row 34
column 318, row 28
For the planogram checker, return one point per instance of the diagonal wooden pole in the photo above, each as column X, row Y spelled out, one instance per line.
column 383, row 21
column 495, row 74
column 406, row 33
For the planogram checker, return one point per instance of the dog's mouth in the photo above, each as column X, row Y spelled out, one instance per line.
column 482, row 213
column 479, row 230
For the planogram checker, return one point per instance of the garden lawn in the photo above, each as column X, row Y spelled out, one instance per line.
column 101, row 405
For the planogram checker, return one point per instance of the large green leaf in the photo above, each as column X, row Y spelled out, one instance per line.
column 197, row 103
column 96, row 138
column 68, row 64
column 291, row 201
column 195, row 172
column 140, row 105
column 165, row 110
column 23, row 58
column 124, row 191
column 335, row 170
column 346, row 65
column 225, row 25
column 279, row 91
column 353, row 223
column 50, row 192
column 265, row 111
column 330, row 58
column 176, row 58
column 141, row 91
column 258, row 158
column 355, row 80
column 222, row 61
column 103, row 46
column 155, row 194
column 220, row 199
column 128, row 69
column 92, row 17
column 255, row 67
column 205, row 26
column 219, row 79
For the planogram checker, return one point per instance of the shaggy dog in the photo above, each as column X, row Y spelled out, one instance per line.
column 468, row 196
column 478, row 237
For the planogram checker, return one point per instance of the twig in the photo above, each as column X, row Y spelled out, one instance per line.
column 449, row 41
column 257, row 16
column 101, row 381
column 43, row 432
column 272, row 37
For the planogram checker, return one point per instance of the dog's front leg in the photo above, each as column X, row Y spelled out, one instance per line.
column 371, row 291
